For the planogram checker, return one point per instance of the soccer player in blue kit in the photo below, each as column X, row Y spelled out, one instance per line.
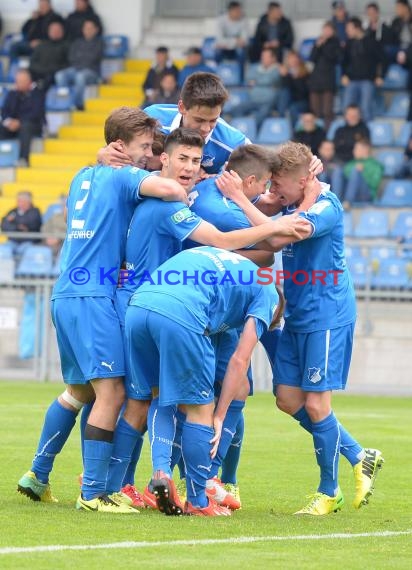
column 100, row 206
column 156, row 233
column 314, row 349
column 168, row 336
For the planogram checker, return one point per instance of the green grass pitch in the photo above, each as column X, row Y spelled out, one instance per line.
column 277, row 471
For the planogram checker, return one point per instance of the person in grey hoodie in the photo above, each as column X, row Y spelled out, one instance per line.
column 85, row 56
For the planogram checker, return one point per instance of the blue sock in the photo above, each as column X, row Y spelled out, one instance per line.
column 177, row 445
column 161, row 428
column 326, row 440
column 128, row 479
column 231, row 461
column 58, row 423
column 83, row 421
column 196, row 449
column 96, row 462
column 349, row 447
column 125, row 438
column 230, row 422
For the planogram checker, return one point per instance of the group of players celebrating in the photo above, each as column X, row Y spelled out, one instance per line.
column 172, row 357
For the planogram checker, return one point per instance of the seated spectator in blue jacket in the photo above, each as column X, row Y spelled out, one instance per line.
column 264, row 81
column 161, row 66
column 23, row 113
column 74, row 21
column 85, row 56
column 23, row 218
column 194, row 63
column 34, row 30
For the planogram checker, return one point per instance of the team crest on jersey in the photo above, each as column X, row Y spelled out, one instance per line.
column 182, row 215
column 134, row 170
column 208, row 160
column 314, row 375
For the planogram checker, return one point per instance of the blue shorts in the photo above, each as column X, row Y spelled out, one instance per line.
column 225, row 345
column 132, row 390
column 315, row 362
column 162, row 353
column 89, row 338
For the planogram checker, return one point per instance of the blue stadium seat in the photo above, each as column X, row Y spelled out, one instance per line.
column 9, row 153
column 36, row 261
column 378, row 104
column 352, row 252
column 372, row 223
column 3, row 93
column 391, row 160
column 381, row 133
column 59, row 99
column 396, row 77
column 229, row 73
column 392, row 274
column 8, row 40
column 404, row 134
column 305, row 48
column 383, row 252
column 14, row 67
column 115, row 46
column 247, row 125
column 359, row 270
column 274, row 131
column 398, row 109
column 347, row 223
column 402, row 227
column 6, row 251
column 208, row 48
column 335, row 124
column 236, row 96
column 397, row 193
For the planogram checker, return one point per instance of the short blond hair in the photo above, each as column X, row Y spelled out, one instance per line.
column 292, row 157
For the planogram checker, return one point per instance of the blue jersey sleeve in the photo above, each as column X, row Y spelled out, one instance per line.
column 130, row 178
column 323, row 215
column 262, row 308
column 179, row 221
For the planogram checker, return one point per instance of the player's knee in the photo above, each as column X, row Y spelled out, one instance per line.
column 284, row 405
column 136, row 413
column 316, row 409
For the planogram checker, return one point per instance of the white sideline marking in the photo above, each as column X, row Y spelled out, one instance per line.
column 205, row 542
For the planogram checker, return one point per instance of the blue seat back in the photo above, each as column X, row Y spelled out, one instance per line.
column 274, row 131
column 372, row 223
column 397, row 193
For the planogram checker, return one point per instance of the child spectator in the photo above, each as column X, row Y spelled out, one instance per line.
column 363, row 175
column 161, row 66
column 169, row 91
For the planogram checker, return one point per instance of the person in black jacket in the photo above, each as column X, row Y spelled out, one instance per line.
column 74, row 21
column 294, row 94
column 162, row 66
column 274, row 31
column 382, row 33
column 352, row 131
column 49, row 56
column 309, row 132
column 402, row 24
column 326, row 54
column 361, row 68
column 34, row 30
column 23, row 113
column 24, row 218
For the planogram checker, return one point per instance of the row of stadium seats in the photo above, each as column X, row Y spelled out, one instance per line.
column 374, row 223
column 385, row 274
column 36, row 261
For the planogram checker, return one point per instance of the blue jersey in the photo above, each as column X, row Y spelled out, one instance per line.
column 207, row 289
column 100, row 207
column 155, row 234
column 318, row 287
column 219, row 143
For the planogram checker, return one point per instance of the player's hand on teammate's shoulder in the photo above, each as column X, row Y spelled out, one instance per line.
column 113, row 155
column 230, row 184
column 292, row 226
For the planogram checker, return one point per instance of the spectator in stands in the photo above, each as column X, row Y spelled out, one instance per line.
column 264, row 81
column 50, row 56
column 363, row 175
column 361, row 68
column 169, row 91
column 85, row 56
column 325, row 55
column 326, row 153
column 194, row 63
column 232, row 36
column 404, row 58
column 339, row 19
column 74, row 21
column 23, row 114
column 294, row 93
column 23, row 218
column 161, row 66
column 382, row 33
column 402, row 24
column 309, row 132
column 352, row 131
column 56, row 226
column 405, row 170
column 273, row 30
column 34, row 30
